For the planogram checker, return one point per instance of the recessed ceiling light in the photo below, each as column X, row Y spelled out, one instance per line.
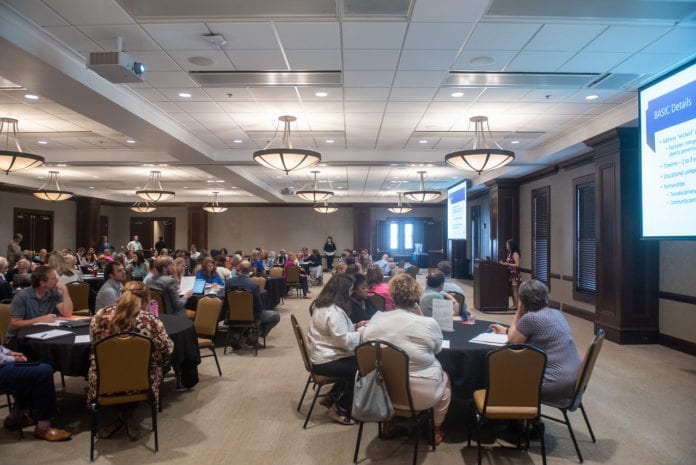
column 592, row 97
column 42, row 142
column 61, row 165
column 482, row 61
column 457, row 94
column 130, row 141
column 321, row 94
column 41, row 177
column 422, row 141
column 91, row 187
column 330, row 141
column 237, row 141
column 31, row 96
column 514, row 142
column 184, row 95
column 186, row 187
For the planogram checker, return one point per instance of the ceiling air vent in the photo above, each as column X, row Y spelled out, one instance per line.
column 522, row 80
column 267, row 78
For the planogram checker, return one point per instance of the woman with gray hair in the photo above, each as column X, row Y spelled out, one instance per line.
column 546, row 328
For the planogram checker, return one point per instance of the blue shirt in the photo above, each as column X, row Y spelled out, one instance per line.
column 215, row 279
column 27, row 305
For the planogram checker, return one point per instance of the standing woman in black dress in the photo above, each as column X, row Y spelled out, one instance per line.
column 513, row 263
column 329, row 252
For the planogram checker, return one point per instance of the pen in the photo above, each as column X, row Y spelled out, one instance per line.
column 490, row 330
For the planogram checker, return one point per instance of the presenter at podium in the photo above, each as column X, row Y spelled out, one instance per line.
column 513, row 263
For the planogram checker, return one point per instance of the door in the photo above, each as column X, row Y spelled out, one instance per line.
column 36, row 227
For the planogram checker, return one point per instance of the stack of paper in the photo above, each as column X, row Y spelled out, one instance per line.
column 491, row 339
column 50, row 334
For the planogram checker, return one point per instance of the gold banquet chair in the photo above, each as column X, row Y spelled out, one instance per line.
column 240, row 305
column 207, row 314
column 581, row 383
column 292, row 278
column 79, row 294
column 317, row 381
column 396, row 376
column 123, row 377
column 459, row 298
column 513, row 388
column 379, row 301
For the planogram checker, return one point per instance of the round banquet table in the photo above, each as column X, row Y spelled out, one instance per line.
column 464, row 362
column 72, row 359
column 275, row 289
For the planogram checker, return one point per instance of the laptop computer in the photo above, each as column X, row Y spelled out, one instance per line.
column 199, row 286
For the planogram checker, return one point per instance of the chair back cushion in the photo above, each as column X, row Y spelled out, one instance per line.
column 276, row 271
column 292, row 275
column 394, row 370
column 4, row 322
column 123, row 368
column 588, row 363
column 413, row 271
column 513, row 382
column 378, row 300
column 260, row 280
column 207, row 315
column 240, row 304
column 459, row 298
column 79, row 294
column 301, row 343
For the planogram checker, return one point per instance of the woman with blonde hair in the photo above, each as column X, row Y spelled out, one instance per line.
column 131, row 314
column 66, row 272
column 420, row 336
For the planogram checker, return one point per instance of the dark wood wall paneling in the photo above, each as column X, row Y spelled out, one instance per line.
column 198, row 227
column 504, row 209
column 362, row 237
column 88, row 222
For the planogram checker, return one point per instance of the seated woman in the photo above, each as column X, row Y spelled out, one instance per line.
column 89, row 259
column 33, row 389
column 257, row 263
column 435, row 283
column 332, row 342
column 315, row 270
column 375, row 281
column 362, row 308
column 139, row 267
column 209, row 274
column 65, row 268
column 130, row 314
column 421, row 338
column 546, row 328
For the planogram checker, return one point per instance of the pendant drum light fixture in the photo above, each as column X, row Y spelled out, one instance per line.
column 12, row 158
column 486, row 153
column 52, row 189
column 143, row 207
column 400, row 208
column 214, row 206
column 422, row 195
column 315, row 195
column 325, row 208
column 283, row 156
column 153, row 191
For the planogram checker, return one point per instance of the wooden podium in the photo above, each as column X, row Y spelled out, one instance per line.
column 490, row 286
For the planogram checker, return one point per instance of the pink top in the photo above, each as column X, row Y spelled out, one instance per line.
column 383, row 290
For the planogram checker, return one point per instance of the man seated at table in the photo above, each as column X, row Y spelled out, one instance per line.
column 266, row 318
column 433, row 291
column 450, row 286
column 39, row 303
column 384, row 264
column 169, row 288
column 111, row 289
column 21, row 269
column 33, row 389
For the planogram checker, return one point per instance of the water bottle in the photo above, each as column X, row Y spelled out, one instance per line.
column 154, row 308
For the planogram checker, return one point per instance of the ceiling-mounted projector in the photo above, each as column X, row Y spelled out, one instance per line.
column 116, row 67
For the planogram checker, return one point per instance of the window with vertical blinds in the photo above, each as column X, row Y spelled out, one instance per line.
column 585, row 237
column 541, row 233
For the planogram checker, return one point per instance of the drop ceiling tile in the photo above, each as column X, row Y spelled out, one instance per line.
column 437, row 122
column 307, row 94
column 407, row 107
column 445, row 94
column 447, row 107
column 220, row 61
column 134, row 38
column 75, row 39
column 434, row 36
column 213, row 120
column 180, row 36
column 197, row 94
column 449, row 10
column 199, row 107
column 419, row 78
column 273, row 94
column 365, row 107
column 155, row 60
column 230, row 94
column 373, row 35
column 626, row 38
column 38, row 12
column 549, row 95
column 323, row 107
column 169, row 107
column 169, row 79
column 426, row 59
column 473, row 60
column 648, row 63
column 501, row 36
column 564, row 37
column 301, row 35
column 90, row 12
column 309, row 60
column 370, row 59
column 365, row 93
column 539, row 61
column 246, row 36
column 593, row 62
column 412, row 94
column 151, row 94
column 678, row 40
column 239, row 107
column 493, row 94
column 325, row 121
column 368, row 78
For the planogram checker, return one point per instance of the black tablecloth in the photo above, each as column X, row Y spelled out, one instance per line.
column 72, row 359
column 275, row 289
column 464, row 361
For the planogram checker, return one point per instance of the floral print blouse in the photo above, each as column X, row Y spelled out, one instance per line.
column 144, row 324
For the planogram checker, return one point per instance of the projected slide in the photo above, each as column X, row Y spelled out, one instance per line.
column 668, row 151
column 456, row 211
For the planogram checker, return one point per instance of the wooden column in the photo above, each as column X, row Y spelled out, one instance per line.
column 198, row 227
column 87, row 222
column 362, row 237
column 627, row 267
column 505, row 215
